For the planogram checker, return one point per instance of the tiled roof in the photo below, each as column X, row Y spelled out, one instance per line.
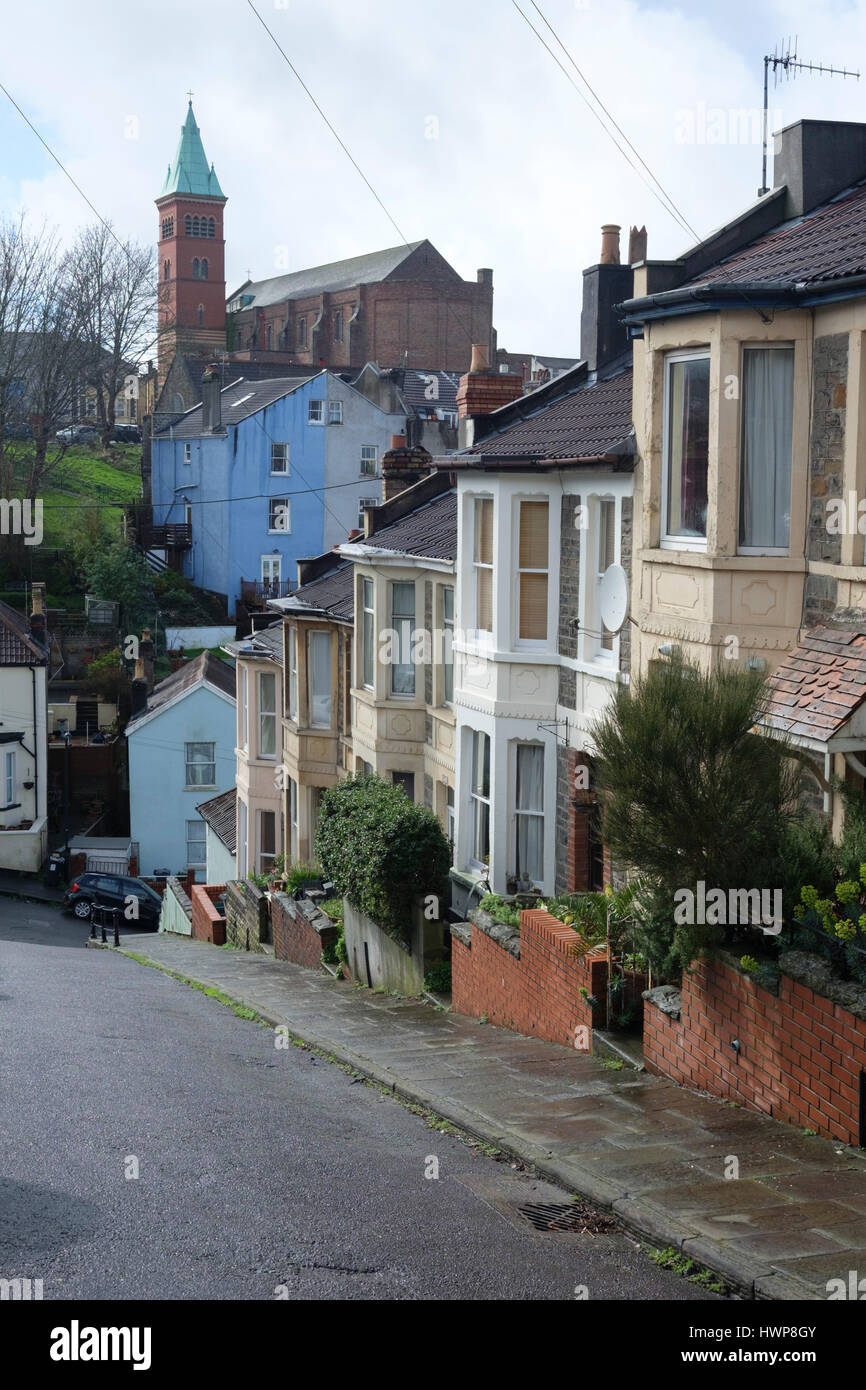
column 338, row 275
column 205, row 667
column 817, row 688
column 332, row 592
column 220, row 814
column 589, row 422
column 430, row 532
column 415, row 385
column 17, row 647
column 827, row 244
column 238, row 401
column 267, row 642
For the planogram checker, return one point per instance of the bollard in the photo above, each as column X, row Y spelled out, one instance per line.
column 102, row 921
column 115, row 912
column 92, row 923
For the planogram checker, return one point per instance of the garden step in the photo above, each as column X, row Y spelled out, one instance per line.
column 623, row 1046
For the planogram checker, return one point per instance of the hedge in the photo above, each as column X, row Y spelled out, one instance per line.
column 382, row 851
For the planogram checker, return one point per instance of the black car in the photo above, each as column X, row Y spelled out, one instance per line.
column 110, row 890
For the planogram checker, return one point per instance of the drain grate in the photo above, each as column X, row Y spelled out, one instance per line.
column 567, row 1216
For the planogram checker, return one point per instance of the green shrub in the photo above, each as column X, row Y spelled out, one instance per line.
column 382, row 851
column 333, row 908
column 298, row 875
column 501, row 911
column 438, row 978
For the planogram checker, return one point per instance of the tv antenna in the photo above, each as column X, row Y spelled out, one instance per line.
column 785, row 64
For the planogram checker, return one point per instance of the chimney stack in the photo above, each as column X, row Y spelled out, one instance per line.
column 483, row 390
column 211, row 403
column 636, row 245
column 145, row 647
column 603, row 336
column 403, row 465
column 609, row 244
column 38, row 628
column 139, row 690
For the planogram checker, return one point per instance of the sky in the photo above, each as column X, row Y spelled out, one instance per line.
column 464, row 125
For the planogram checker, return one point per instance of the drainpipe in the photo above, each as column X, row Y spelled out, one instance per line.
column 36, row 746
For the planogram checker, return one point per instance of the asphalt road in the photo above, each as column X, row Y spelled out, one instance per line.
column 261, row 1172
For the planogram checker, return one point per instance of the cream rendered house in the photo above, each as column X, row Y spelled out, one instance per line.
column 259, row 803
column 750, row 393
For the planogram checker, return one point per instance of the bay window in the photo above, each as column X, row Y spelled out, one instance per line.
column 765, row 448
column 686, row 448
column 319, row 679
column 529, row 812
column 402, row 626
column 532, row 571
column 483, row 564
column 480, row 799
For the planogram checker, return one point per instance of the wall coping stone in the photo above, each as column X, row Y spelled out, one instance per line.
column 665, row 997
column 506, row 937
column 463, row 932
column 185, row 903
column 816, row 974
column 318, row 920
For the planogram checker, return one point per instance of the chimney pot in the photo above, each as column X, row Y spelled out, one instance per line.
column 610, row 244
column 480, row 358
column 636, row 245
column 398, row 441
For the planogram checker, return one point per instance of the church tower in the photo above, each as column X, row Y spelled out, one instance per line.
column 192, row 277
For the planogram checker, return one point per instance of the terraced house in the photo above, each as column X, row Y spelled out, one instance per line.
column 544, row 511
column 750, row 413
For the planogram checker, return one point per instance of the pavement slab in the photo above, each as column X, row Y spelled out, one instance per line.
column 651, row 1151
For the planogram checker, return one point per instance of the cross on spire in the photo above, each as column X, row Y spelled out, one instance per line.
column 190, row 95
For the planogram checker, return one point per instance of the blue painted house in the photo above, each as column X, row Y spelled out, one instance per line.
column 266, row 473
column 181, row 752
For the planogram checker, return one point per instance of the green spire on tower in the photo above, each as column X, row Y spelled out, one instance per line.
column 190, row 172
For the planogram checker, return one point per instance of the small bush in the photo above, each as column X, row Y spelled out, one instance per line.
column 438, row 978
column 298, row 875
column 333, row 908
column 382, row 851
column 501, row 911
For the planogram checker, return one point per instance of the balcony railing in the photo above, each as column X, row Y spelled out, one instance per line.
column 260, row 590
column 172, row 535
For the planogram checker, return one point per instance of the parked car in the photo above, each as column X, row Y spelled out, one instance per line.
column 77, row 434
column 111, row 890
column 126, row 434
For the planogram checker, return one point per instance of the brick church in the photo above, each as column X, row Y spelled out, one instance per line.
column 403, row 307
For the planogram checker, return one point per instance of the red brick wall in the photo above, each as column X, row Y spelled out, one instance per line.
column 294, row 937
column 539, row 994
column 800, row 1054
column 207, row 924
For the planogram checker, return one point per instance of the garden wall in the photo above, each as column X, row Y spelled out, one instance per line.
column 528, row 981
column 802, row 1052
column 300, row 930
column 248, row 919
column 207, row 923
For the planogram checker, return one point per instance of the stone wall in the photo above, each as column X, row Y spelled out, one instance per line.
column 826, row 445
column 569, row 580
column 248, row 922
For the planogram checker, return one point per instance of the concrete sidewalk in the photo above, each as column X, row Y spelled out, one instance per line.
column 14, row 887
column 652, row 1152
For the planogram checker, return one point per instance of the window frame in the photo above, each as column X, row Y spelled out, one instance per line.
column 335, row 412
column 477, row 799
column 196, row 863
column 312, row 635
column 482, row 633
column 667, row 541
column 447, row 625
column 286, row 470
column 394, row 617
column 10, row 780
column 770, row 345
column 269, row 715
column 316, row 417
column 368, row 631
column 517, row 812
column 244, row 710
column 530, row 643
column 292, row 687
column 273, row 504
column 369, row 472
column 260, row 852
column 199, row 762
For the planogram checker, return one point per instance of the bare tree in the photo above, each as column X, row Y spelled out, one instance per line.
column 114, row 290
column 56, row 360
column 23, row 257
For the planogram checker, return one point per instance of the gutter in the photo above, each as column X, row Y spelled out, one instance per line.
column 750, row 293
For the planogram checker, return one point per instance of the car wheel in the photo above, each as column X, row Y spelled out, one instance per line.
column 82, row 909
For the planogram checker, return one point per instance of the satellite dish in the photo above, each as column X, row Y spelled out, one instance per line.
column 613, row 597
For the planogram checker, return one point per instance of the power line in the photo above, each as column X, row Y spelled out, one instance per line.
column 662, row 198
column 206, row 501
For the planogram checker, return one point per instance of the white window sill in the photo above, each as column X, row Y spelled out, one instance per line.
column 277, row 533
column 202, row 787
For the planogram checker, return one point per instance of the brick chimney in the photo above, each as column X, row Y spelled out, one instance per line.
column 38, row 628
column 139, row 690
column 603, row 336
column 145, row 648
column 482, row 390
column 636, row 245
column 403, row 465
column 211, row 403
column 815, row 160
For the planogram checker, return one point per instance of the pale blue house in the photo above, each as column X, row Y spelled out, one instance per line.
column 181, row 753
column 265, row 473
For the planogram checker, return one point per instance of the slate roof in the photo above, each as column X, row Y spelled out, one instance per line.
column 220, row 814
column 238, row 401
column 430, row 532
column 827, row 243
column 267, row 642
column 337, row 275
column 332, row 593
column 17, row 647
column 819, row 685
column 413, row 386
column 589, row 422
column 205, row 667
column 190, row 172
